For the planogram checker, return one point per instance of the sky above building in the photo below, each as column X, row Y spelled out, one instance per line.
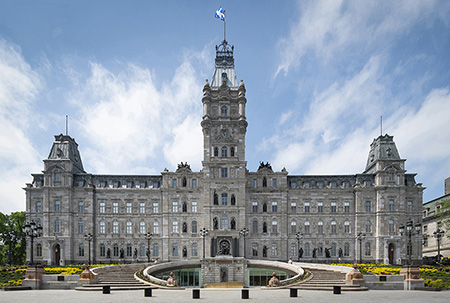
column 129, row 74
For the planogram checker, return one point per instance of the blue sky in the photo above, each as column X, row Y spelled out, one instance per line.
column 319, row 74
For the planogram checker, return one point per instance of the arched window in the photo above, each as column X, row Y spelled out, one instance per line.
column 264, row 182
column 184, row 227
column 333, row 227
column 184, row 182
column 233, row 224
column 194, row 227
column 255, row 226
column 333, row 249
column 320, row 227
column 307, row 249
column 232, row 152
column 367, row 250
column 224, row 152
column 216, row 199
column 102, row 250
column 224, row 111
column 264, row 227
column 274, row 226
column 368, row 226
column 216, row 152
column 215, row 223
column 293, row 227
column 346, row 250
column 81, row 250
column 233, row 200
column 264, row 207
column 184, row 207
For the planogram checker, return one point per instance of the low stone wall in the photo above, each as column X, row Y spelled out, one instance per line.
column 165, row 267
column 59, row 281
column 384, row 282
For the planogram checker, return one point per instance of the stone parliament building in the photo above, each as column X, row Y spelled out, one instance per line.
column 313, row 218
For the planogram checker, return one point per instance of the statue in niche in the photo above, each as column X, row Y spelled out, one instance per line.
column 314, row 253
column 327, row 253
column 135, row 253
column 171, row 282
column 274, row 282
column 223, row 274
column 300, row 253
column 122, row 253
column 108, row 253
column 215, row 224
column 340, row 253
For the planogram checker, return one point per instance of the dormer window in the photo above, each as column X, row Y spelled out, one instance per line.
column 224, row 111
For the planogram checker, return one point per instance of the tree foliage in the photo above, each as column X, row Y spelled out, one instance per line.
column 11, row 234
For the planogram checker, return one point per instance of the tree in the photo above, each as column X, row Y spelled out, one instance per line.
column 11, row 234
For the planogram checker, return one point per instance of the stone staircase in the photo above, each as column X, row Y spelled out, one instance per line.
column 120, row 277
column 325, row 280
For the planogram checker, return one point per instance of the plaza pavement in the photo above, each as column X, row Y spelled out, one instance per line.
column 224, row 295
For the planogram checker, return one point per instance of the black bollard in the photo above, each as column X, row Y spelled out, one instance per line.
column 244, row 293
column 196, row 293
column 106, row 289
column 293, row 293
column 336, row 290
column 147, row 292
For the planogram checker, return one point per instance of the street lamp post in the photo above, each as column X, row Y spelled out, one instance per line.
column 244, row 232
column 438, row 234
column 409, row 232
column 360, row 237
column 89, row 238
column 32, row 231
column 149, row 237
column 204, row 233
column 298, row 236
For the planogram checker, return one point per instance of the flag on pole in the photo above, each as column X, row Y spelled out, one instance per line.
column 220, row 14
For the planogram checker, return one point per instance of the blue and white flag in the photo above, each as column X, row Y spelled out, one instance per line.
column 220, row 14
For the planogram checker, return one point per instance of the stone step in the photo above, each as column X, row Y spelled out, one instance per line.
column 330, row 288
column 113, row 288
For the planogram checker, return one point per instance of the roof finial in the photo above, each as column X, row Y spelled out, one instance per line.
column 381, row 125
column 67, row 125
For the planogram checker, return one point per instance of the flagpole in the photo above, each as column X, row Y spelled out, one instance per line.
column 224, row 26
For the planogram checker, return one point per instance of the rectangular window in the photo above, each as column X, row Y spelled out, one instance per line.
column 224, row 172
column 346, row 227
column 142, row 227
column 254, row 206
column 194, row 227
column 156, row 250
column 391, row 205
column 155, row 227
column 174, row 207
column 175, row 226
column 306, row 185
column 143, row 184
column 320, row 227
column 319, row 184
column 155, row 207
column 410, row 206
column 116, row 207
column 142, row 250
column 274, row 207
column 333, row 207
column 142, row 207
column 306, row 207
column 320, row 207
column 102, row 250
column 224, row 198
column 254, row 183
column 306, row 227
column 129, row 250
column 57, row 177
column 194, row 250
column 102, row 227
column 194, row 183
column 274, row 226
column 425, row 228
column 293, row 207
column 80, row 206
column 367, row 250
column 129, row 208
column 333, row 227
column 347, row 207
column 274, row 183
column 194, row 206
column 116, row 250
column 81, row 227
column 174, row 183
column 255, row 250
column 175, row 250
column 129, row 184
column 57, row 206
column 425, row 242
column 368, row 206
column 391, row 226
column 115, row 227
column 38, row 206
column 224, row 221
column 57, row 226
column 293, row 227
column 101, row 207
column 255, row 227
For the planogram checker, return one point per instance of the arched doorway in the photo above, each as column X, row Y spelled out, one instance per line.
column 391, row 253
column 57, row 251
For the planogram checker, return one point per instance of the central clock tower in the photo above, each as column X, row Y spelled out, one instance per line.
column 224, row 127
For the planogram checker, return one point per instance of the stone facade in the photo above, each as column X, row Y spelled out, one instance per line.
column 327, row 211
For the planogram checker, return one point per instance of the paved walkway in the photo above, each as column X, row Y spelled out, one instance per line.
column 229, row 295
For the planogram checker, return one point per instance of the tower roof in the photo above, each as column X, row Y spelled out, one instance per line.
column 382, row 148
column 224, row 69
column 65, row 148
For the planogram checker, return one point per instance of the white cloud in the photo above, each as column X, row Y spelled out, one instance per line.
column 133, row 124
column 328, row 28
column 19, row 85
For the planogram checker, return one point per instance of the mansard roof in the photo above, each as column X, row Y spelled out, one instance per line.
column 65, row 148
column 224, row 69
column 382, row 148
